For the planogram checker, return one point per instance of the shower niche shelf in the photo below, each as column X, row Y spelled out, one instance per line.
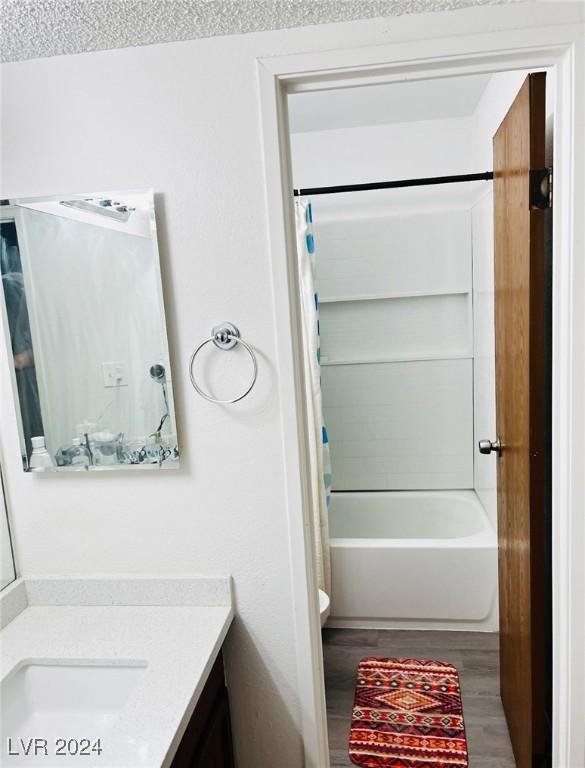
column 390, row 295
column 418, row 358
column 437, row 326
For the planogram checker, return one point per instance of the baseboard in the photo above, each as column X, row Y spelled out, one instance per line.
column 486, row 625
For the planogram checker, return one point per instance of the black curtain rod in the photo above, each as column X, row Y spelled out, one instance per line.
column 487, row 176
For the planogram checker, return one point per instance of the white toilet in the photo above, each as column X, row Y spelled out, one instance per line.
column 323, row 606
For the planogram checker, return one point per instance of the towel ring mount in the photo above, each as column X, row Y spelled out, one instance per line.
column 225, row 336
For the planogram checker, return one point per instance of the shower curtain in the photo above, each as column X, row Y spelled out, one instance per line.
column 317, row 432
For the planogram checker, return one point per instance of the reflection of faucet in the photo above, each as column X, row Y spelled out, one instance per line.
column 158, row 374
column 87, row 448
column 120, row 446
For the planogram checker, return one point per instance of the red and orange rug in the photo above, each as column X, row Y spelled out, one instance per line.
column 407, row 714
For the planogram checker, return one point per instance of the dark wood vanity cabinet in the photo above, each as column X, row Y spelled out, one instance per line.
column 207, row 742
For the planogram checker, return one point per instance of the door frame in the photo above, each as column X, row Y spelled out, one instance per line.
column 499, row 38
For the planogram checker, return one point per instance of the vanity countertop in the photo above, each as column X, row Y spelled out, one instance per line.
column 177, row 643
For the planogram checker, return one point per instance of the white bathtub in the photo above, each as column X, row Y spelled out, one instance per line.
column 412, row 559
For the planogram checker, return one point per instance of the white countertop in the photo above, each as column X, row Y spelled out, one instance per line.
column 178, row 644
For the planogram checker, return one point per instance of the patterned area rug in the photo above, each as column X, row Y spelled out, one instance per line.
column 407, row 714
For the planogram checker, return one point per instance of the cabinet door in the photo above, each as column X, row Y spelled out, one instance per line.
column 216, row 748
column 207, row 741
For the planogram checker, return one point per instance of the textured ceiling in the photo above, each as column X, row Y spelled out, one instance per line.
column 36, row 28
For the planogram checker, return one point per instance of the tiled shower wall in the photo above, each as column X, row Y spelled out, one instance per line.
column 397, row 351
column 484, row 373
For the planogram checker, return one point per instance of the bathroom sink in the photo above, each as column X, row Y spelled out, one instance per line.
column 62, row 700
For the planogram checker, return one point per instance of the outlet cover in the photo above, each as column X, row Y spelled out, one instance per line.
column 115, row 374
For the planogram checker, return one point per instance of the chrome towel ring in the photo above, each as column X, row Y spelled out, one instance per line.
column 225, row 336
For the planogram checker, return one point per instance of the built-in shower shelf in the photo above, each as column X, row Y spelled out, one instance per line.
column 325, row 361
column 390, row 295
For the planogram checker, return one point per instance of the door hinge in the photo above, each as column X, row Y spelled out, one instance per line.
column 541, row 185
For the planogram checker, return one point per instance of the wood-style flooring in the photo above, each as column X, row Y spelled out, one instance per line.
column 475, row 654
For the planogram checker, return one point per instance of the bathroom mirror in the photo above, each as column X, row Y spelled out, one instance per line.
column 84, row 325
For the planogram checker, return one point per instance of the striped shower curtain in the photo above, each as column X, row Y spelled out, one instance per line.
column 317, row 432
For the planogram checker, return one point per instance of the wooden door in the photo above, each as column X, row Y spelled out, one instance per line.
column 520, row 299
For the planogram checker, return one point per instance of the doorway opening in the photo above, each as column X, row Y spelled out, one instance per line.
column 396, row 255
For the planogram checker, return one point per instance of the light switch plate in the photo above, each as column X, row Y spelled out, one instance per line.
column 115, row 374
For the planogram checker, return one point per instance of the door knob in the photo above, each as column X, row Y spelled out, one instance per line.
column 487, row 446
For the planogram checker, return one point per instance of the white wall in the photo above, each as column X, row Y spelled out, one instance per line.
column 409, row 101
column 381, row 152
column 491, row 110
